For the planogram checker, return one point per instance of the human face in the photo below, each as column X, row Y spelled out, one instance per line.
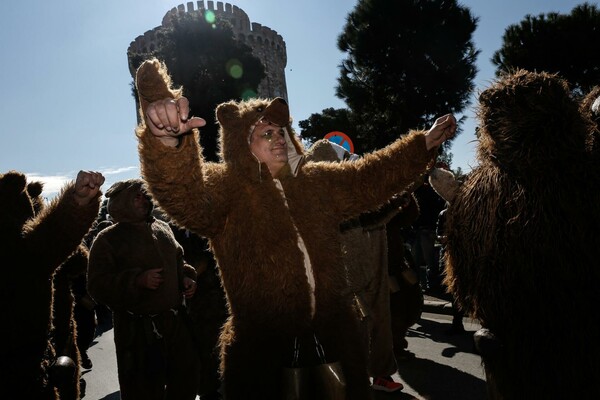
column 141, row 202
column 267, row 143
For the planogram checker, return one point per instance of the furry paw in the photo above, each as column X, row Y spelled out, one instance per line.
column 153, row 83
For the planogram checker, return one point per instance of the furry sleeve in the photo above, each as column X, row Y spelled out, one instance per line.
column 371, row 181
column 177, row 179
column 59, row 229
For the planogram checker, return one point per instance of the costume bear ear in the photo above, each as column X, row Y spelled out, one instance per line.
column 35, row 189
column 12, row 182
column 278, row 112
column 227, row 112
column 153, row 83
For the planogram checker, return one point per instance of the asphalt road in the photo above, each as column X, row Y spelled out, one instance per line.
column 445, row 367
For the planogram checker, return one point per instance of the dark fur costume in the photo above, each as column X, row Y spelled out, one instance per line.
column 522, row 242
column 254, row 234
column 65, row 329
column 32, row 248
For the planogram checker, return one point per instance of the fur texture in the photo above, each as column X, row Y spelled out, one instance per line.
column 444, row 183
column 64, row 332
column 522, row 235
column 254, row 235
column 32, row 248
column 590, row 106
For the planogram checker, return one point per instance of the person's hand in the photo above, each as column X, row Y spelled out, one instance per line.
column 189, row 287
column 168, row 119
column 443, row 128
column 150, row 279
column 87, row 186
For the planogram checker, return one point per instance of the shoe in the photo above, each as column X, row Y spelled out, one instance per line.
column 86, row 363
column 386, row 384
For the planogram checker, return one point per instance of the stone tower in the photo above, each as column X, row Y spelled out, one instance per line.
column 266, row 44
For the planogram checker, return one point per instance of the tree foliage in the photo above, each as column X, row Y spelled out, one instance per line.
column 329, row 120
column 206, row 60
column 567, row 44
column 408, row 62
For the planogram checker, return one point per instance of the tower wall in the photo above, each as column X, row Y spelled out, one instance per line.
column 266, row 44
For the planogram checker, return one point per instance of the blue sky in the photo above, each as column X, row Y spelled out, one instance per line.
column 67, row 103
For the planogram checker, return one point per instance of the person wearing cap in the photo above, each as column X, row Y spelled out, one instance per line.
column 136, row 268
column 272, row 220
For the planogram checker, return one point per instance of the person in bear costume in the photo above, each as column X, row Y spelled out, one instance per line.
column 273, row 225
column 522, row 239
column 32, row 248
column 64, row 329
column 365, row 251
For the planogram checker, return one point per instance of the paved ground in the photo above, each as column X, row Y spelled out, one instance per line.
column 445, row 367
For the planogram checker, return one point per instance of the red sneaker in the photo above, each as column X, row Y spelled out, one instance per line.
column 386, row 384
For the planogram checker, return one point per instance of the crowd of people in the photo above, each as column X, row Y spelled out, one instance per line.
column 138, row 265
column 233, row 270
column 284, row 278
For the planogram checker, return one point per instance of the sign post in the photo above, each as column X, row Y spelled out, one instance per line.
column 341, row 139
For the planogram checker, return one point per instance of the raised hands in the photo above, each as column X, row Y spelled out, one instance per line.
column 87, row 186
column 167, row 119
column 443, row 128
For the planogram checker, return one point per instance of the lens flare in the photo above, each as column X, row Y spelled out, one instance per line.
column 248, row 94
column 234, row 68
column 210, row 17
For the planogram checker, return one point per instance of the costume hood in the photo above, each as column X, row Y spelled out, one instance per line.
column 15, row 202
column 524, row 118
column 121, row 197
column 325, row 150
column 237, row 120
column 444, row 183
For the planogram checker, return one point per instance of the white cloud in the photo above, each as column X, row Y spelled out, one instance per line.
column 54, row 183
column 116, row 171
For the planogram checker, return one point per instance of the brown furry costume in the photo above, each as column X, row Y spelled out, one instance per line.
column 32, row 248
column 254, row 234
column 64, row 328
column 522, row 241
column 365, row 249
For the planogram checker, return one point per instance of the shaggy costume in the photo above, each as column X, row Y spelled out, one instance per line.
column 65, row 329
column 32, row 248
column 364, row 248
column 260, row 227
column 153, row 343
column 522, row 242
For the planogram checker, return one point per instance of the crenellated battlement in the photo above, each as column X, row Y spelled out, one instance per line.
column 266, row 44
